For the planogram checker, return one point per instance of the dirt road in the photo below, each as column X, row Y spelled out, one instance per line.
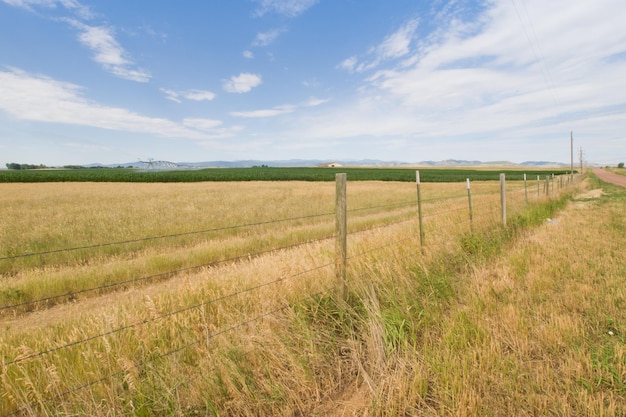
column 610, row 177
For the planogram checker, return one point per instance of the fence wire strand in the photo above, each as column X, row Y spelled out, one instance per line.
column 43, row 402
column 124, row 242
column 166, row 315
column 154, row 358
column 165, row 274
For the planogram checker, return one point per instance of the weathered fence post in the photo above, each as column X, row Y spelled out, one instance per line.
column 552, row 184
column 525, row 190
column 419, row 207
column 547, row 185
column 538, row 187
column 503, row 197
column 341, row 227
column 471, row 212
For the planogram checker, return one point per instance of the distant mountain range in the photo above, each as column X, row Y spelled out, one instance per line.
column 316, row 162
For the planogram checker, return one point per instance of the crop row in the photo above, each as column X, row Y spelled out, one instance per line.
column 261, row 174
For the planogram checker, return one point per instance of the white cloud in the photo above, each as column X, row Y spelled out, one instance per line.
column 394, row 46
column 248, row 54
column 199, row 95
column 108, row 52
column 276, row 111
column 42, row 99
column 314, row 101
column 75, row 6
column 397, row 44
column 279, row 110
column 202, row 124
column 171, row 95
column 266, row 38
column 242, row 83
column 485, row 79
column 99, row 39
column 289, row 8
column 349, row 64
column 194, row 95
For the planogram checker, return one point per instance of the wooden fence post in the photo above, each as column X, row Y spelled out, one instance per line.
column 525, row 190
column 538, row 187
column 341, row 228
column 419, row 207
column 503, row 197
column 471, row 212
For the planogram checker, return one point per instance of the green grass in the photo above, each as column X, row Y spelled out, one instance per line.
column 263, row 174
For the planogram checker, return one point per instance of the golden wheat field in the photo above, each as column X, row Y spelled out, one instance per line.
column 220, row 299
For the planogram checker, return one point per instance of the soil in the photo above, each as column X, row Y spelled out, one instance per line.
column 610, row 177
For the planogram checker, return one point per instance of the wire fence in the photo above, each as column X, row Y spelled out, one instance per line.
column 396, row 224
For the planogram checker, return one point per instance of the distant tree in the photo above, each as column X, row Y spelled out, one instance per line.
column 620, row 165
column 13, row 165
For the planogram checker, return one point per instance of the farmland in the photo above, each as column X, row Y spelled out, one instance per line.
column 262, row 174
column 238, row 314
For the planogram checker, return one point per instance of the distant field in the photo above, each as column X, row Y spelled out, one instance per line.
column 263, row 174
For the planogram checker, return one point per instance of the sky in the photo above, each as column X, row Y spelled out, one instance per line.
column 102, row 81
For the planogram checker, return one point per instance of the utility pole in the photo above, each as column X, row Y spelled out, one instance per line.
column 571, row 161
column 581, row 159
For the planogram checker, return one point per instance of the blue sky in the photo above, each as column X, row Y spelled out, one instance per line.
column 86, row 81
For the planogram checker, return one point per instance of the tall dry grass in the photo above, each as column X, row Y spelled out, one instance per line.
column 268, row 336
column 194, row 225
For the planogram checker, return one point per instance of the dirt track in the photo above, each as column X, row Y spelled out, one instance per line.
column 610, row 177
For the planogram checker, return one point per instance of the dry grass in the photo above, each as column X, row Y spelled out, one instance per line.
column 471, row 325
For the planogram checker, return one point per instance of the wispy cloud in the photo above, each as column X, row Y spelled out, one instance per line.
column 314, row 101
column 289, row 8
column 199, row 95
column 266, row 38
column 276, row 111
column 247, row 54
column 82, row 11
column 202, row 124
column 38, row 98
column 108, row 52
column 194, row 95
column 242, row 83
column 394, row 46
column 485, row 79
column 279, row 110
column 99, row 39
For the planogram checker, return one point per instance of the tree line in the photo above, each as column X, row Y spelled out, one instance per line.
column 13, row 165
column 16, row 166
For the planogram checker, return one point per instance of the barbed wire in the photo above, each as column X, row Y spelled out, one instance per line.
column 163, row 316
column 381, row 226
column 181, row 270
column 154, row 358
column 208, row 302
column 164, row 274
column 405, row 203
column 217, row 229
column 217, row 262
column 123, row 242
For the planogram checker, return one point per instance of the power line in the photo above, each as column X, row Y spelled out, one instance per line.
column 538, row 55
